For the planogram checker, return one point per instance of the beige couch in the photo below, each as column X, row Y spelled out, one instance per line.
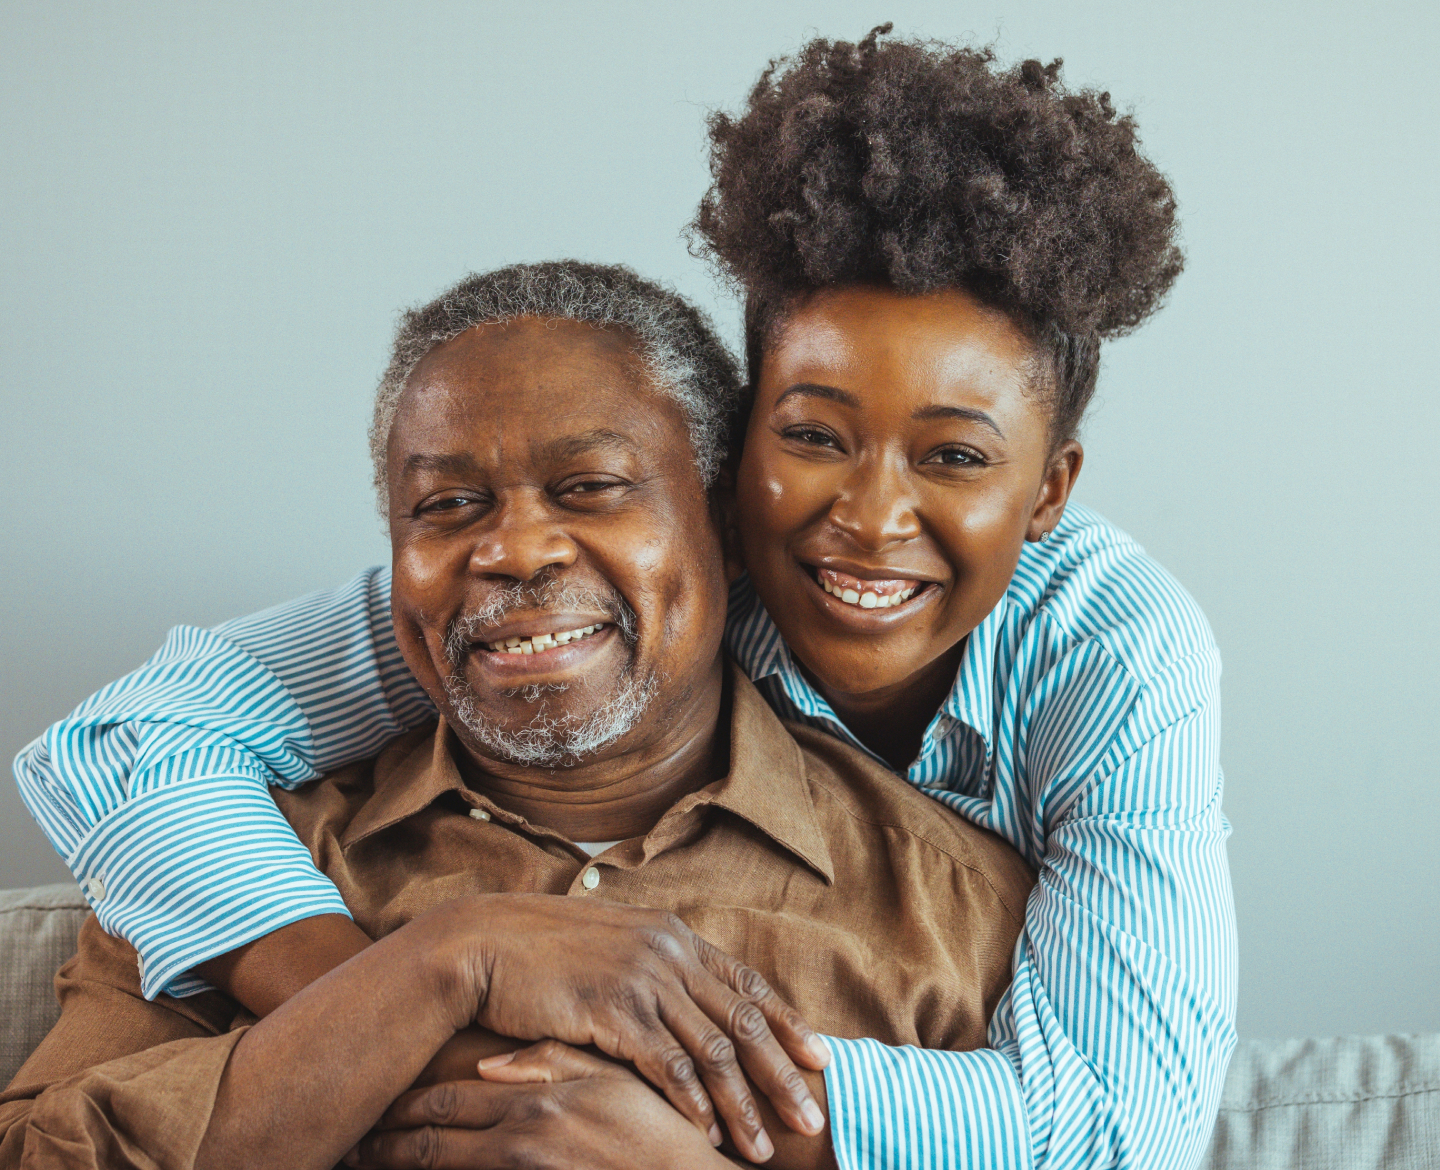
column 1354, row 1103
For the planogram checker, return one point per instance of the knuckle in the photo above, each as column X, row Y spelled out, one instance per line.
column 665, row 945
column 441, row 1104
column 679, row 1069
column 718, row 1053
column 541, row 1109
column 424, row 1148
column 747, row 1023
column 751, row 984
column 749, row 1115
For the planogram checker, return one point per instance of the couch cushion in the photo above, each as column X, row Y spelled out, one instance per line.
column 1351, row 1103
column 37, row 934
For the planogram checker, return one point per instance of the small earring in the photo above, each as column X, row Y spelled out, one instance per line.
column 1044, row 536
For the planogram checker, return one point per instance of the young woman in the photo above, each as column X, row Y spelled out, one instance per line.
column 931, row 250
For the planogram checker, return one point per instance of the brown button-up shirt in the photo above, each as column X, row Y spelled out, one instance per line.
column 868, row 906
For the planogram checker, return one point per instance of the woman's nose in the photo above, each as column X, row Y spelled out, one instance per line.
column 876, row 507
column 523, row 537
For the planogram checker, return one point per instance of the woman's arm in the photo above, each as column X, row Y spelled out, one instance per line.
column 154, row 790
column 1111, row 1045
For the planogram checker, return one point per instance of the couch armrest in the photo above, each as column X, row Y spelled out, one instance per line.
column 1353, row 1102
column 37, row 934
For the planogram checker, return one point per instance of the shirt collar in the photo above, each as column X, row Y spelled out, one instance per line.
column 755, row 642
column 766, row 785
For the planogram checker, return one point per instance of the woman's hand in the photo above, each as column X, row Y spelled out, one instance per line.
column 641, row 986
column 557, row 1107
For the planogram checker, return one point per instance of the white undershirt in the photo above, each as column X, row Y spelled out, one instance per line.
column 594, row 847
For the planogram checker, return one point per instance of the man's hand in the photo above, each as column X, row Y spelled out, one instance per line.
column 559, row 1108
column 641, row 986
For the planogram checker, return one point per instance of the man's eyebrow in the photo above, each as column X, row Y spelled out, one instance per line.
column 573, row 446
column 457, row 464
column 819, row 390
column 966, row 413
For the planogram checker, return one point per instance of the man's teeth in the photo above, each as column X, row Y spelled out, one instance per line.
column 540, row 642
column 868, row 600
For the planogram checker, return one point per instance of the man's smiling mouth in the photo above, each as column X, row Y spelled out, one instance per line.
column 540, row 643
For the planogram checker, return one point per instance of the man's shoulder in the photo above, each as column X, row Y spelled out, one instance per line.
column 857, row 797
column 333, row 801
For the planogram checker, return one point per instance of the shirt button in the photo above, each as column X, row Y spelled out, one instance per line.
column 95, row 887
column 590, row 878
column 140, row 965
column 479, row 814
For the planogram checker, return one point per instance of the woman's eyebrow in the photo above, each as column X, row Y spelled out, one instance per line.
column 961, row 412
column 818, row 390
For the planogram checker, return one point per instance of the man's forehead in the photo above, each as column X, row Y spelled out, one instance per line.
column 531, row 350
column 556, row 390
column 561, row 448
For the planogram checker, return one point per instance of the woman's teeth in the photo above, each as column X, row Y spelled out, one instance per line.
column 868, row 600
column 537, row 643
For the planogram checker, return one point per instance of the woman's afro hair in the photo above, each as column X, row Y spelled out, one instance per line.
column 924, row 166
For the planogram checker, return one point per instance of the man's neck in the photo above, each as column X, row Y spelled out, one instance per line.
column 624, row 795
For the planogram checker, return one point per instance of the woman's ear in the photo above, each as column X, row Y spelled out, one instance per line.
column 722, row 507
column 1059, row 481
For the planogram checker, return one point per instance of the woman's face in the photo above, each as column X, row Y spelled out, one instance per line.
column 897, row 458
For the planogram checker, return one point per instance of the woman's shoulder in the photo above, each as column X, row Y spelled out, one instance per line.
column 1092, row 585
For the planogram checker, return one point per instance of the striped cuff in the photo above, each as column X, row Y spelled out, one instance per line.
column 190, row 871
column 912, row 1108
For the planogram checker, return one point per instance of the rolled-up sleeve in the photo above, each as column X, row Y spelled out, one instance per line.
column 119, row 1081
column 1111, row 1045
column 155, row 791
column 146, row 1111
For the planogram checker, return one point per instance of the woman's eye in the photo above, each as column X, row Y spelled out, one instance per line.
column 811, row 436
column 956, row 457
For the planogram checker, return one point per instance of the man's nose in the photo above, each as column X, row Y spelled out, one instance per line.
column 875, row 506
column 522, row 537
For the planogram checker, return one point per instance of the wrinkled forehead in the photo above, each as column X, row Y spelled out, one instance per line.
column 535, row 391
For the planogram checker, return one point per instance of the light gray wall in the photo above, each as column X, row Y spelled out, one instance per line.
column 211, row 212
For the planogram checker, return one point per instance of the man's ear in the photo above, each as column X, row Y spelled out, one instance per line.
column 722, row 508
column 1055, row 489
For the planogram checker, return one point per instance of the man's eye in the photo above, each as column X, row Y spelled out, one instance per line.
column 446, row 504
column 589, row 486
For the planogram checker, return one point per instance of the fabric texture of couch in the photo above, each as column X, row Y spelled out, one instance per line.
column 1352, row 1103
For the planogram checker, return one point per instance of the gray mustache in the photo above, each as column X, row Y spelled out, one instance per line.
column 537, row 597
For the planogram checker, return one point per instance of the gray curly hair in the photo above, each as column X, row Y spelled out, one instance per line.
column 674, row 339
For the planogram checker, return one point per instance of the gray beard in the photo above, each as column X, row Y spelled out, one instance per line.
column 545, row 741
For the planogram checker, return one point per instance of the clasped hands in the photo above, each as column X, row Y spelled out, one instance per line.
column 641, row 988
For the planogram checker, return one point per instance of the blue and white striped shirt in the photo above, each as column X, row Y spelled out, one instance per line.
column 1083, row 727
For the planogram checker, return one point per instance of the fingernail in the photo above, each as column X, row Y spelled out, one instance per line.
column 496, row 1061
column 813, row 1117
column 716, row 1137
column 764, row 1147
column 818, row 1049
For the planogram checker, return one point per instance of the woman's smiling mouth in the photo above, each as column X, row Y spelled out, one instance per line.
column 867, row 603
column 881, row 594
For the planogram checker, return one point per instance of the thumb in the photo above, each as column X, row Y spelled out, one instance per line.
column 542, row 1063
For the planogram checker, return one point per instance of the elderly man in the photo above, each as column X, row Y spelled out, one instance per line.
column 546, row 443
